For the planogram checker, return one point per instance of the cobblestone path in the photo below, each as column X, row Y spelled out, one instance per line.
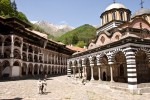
column 62, row 88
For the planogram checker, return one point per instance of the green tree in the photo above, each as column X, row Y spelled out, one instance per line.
column 81, row 44
column 74, row 39
column 22, row 16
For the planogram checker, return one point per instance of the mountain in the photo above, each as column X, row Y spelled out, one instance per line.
column 52, row 29
column 79, row 36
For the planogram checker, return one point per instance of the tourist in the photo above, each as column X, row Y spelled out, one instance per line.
column 45, row 77
column 83, row 81
column 44, row 85
column 39, row 86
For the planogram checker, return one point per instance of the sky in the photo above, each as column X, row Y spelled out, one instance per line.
column 71, row 12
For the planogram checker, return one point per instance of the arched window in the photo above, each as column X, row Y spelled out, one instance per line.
column 107, row 18
column 16, row 63
column 30, row 49
column 7, row 53
column 7, row 42
column 17, row 54
column 24, row 47
column 17, row 42
column 117, row 37
column 102, row 39
column 128, row 17
column 113, row 16
column 121, row 15
column 24, row 57
column 30, row 58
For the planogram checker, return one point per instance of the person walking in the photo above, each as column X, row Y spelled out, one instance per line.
column 44, row 83
column 39, row 84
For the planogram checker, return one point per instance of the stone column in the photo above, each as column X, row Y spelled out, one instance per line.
column 131, row 69
column 74, row 71
column 99, row 72
column 79, row 72
column 21, row 49
column 92, row 67
column 12, row 47
column 27, row 52
column 111, row 73
column 33, row 55
column 2, row 49
column 92, row 76
column 84, row 72
column 11, row 68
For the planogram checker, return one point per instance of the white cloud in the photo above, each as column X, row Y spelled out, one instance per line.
column 63, row 22
column 33, row 22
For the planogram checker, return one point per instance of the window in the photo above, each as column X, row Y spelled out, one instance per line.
column 107, row 19
column 113, row 16
column 121, row 15
column 117, row 37
column 102, row 39
column 128, row 17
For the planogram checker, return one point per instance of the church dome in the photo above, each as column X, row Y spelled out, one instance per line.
column 142, row 11
column 115, row 6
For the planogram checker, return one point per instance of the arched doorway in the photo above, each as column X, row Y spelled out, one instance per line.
column 105, row 68
column 88, row 69
column 35, row 69
column 30, row 69
column 41, row 70
column 104, row 76
column 120, row 68
column 24, row 69
column 143, row 71
column 5, row 68
column 16, row 69
column 95, row 69
column 45, row 70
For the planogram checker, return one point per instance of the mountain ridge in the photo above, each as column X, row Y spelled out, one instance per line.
column 53, row 29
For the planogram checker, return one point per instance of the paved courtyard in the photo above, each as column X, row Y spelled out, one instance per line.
column 62, row 88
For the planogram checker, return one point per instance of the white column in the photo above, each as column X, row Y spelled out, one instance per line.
column 74, row 72
column 111, row 72
column 99, row 72
column 2, row 49
column 92, row 76
column 12, row 46
column 79, row 72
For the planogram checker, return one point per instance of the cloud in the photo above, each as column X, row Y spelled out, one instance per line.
column 33, row 22
column 63, row 22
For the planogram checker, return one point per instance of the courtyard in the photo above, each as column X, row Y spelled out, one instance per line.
column 62, row 88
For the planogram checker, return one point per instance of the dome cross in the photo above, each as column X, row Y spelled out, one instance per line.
column 114, row 1
column 142, row 2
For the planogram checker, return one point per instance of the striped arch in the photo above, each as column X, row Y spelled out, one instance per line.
column 111, row 55
column 100, row 57
column 93, row 59
column 146, row 50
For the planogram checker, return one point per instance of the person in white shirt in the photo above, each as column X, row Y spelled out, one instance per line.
column 39, row 84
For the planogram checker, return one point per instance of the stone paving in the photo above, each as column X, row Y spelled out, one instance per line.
column 62, row 88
